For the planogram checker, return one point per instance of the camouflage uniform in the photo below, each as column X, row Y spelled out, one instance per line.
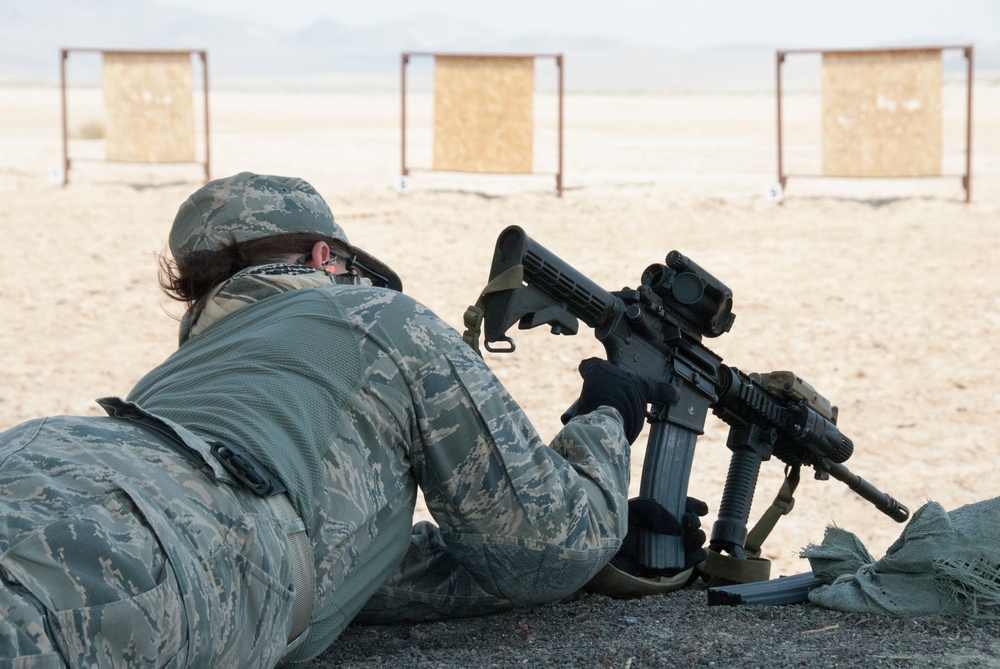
column 352, row 396
column 118, row 550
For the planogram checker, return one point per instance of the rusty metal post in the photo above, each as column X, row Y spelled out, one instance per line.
column 208, row 151
column 63, row 55
column 967, row 180
column 967, row 49
column 405, row 61
column 402, row 112
column 780, row 58
column 559, row 173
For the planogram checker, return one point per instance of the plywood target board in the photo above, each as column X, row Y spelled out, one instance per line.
column 882, row 113
column 149, row 106
column 484, row 114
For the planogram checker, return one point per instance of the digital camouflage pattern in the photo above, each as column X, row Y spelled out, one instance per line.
column 120, row 551
column 249, row 206
column 353, row 396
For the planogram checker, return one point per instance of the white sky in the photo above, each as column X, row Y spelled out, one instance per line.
column 669, row 23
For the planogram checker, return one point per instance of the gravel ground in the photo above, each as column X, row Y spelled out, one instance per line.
column 675, row 630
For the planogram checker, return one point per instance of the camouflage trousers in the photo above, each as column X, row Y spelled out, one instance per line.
column 118, row 550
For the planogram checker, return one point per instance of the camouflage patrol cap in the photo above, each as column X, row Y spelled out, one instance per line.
column 249, row 206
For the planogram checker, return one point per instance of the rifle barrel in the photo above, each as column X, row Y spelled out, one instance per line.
column 882, row 501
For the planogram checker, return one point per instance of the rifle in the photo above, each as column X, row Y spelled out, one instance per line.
column 656, row 331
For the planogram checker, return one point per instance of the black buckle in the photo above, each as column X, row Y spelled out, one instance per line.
column 245, row 469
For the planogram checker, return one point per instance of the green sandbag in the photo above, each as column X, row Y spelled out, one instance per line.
column 942, row 563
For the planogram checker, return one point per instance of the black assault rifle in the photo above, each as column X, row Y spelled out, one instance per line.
column 655, row 331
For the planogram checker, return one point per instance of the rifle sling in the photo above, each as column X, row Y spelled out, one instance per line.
column 782, row 505
column 725, row 569
column 509, row 279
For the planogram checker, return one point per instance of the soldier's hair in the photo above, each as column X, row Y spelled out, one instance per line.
column 193, row 276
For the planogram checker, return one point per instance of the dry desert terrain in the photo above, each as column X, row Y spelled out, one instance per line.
column 882, row 293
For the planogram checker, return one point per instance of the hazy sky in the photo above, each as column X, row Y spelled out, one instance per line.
column 671, row 23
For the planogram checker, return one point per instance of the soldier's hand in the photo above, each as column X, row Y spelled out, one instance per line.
column 606, row 384
column 647, row 514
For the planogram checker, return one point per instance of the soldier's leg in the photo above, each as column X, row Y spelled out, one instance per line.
column 429, row 584
column 85, row 581
column 128, row 554
column 22, row 630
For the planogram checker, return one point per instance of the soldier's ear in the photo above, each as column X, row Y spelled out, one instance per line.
column 320, row 254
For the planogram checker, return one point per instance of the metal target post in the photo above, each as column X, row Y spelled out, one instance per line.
column 64, row 56
column 405, row 59
column 967, row 50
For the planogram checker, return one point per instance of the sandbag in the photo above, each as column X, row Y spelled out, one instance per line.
column 942, row 563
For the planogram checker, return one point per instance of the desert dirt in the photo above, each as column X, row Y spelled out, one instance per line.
column 881, row 293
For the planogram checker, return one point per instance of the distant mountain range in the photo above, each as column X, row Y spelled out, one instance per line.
column 328, row 54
